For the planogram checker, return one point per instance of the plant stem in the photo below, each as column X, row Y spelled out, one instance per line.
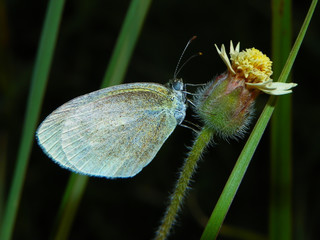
column 190, row 165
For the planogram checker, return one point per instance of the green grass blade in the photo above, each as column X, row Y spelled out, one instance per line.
column 69, row 205
column 115, row 73
column 3, row 162
column 220, row 211
column 38, row 84
column 281, row 156
column 287, row 67
column 216, row 219
column 4, row 80
column 126, row 42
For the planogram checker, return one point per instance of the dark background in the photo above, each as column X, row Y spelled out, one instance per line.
column 132, row 208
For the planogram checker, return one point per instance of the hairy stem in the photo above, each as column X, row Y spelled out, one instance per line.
column 202, row 140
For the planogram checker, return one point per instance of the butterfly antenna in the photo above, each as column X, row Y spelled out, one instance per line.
column 194, row 55
column 177, row 70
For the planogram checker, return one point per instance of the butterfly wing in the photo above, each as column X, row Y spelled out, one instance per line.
column 113, row 132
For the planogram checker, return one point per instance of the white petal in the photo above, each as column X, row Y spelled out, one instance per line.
column 234, row 50
column 273, row 88
column 269, row 85
column 280, row 85
column 224, row 57
column 231, row 48
column 260, row 84
column 276, row 91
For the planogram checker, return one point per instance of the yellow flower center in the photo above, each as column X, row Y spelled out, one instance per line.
column 253, row 64
column 254, row 68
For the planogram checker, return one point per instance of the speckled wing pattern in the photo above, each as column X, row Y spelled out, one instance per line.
column 113, row 132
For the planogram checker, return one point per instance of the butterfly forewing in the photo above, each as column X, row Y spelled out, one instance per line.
column 113, row 132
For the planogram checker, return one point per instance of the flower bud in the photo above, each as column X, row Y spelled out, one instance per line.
column 225, row 105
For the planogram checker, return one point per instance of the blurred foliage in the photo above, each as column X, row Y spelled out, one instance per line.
column 132, row 208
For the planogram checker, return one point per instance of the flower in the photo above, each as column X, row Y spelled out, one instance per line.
column 255, row 68
column 225, row 104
